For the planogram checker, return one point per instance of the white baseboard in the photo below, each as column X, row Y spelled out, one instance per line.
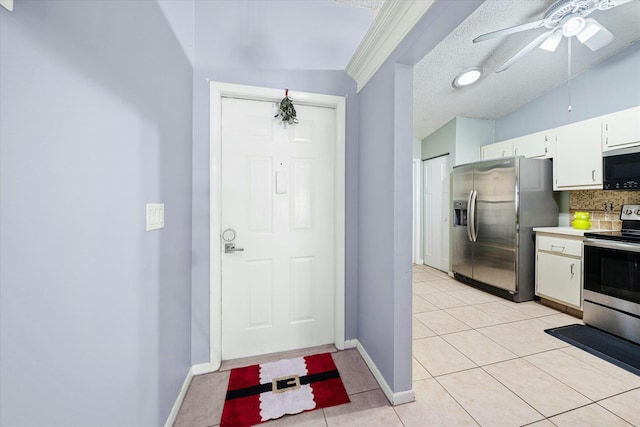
column 202, row 368
column 394, row 398
column 420, row 262
column 350, row 344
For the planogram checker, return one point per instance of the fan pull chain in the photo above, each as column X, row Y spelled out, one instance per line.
column 569, row 72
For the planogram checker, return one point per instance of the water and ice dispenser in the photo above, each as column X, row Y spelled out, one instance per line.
column 459, row 213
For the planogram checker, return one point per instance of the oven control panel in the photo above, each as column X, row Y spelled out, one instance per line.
column 630, row 213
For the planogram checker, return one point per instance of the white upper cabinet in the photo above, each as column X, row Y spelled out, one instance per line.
column 621, row 129
column 577, row 164
column 538, row 145
column 497, row 150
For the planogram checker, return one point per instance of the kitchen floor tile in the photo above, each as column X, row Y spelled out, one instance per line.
column 418, row 371
column 602, row 365
column 542, row 423
column 560, row 319
column 371, row 409
column 305, row 419
column 545, row 393
column 473, row 296
column 420, row 288
column 203, row 402
column 470, row 315
column 514, row 339
column 433, row 407
column 486, row 400
column 354, row 372
column 533, row 330
column 480, row 349
column 442, row 300
column 420, row 305
column 534, row 309
column 502, row 312
column 420, row 330
column 446, row 285
column 578, row 375
column 625, row 406
column 439, row 357
column 588, row 416
column 440, row 322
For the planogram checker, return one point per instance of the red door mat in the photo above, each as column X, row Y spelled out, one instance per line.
column 259, row 393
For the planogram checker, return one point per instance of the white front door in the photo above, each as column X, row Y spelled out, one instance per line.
column 277, row 195
column 436, row 212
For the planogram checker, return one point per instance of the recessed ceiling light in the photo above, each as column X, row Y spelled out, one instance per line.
column 467, row 77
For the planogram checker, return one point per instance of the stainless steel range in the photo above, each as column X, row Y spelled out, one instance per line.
column 612, row 277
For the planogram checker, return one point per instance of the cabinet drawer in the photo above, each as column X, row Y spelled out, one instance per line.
column 559, row 245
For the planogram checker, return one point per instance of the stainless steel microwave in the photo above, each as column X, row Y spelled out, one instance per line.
column 621, row 169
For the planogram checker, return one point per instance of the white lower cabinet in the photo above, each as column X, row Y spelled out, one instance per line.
column 559, row 268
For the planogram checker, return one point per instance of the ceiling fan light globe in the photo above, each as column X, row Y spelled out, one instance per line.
column 573, row 25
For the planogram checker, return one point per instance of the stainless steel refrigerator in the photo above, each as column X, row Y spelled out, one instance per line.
column 496, row 203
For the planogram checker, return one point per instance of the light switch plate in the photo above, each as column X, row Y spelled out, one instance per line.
column 155, row 216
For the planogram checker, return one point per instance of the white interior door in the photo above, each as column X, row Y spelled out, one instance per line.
column 277, row 195
column 436, row 212
column 417, row 235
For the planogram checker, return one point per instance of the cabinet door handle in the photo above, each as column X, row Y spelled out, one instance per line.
column 516, row 152
column 559, row 248
column 573, row 270
column 503, row 153
column 593, row 175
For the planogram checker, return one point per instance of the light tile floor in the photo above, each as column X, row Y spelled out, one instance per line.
column 478, row 360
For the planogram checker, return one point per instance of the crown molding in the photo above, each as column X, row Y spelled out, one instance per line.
column 393, row 22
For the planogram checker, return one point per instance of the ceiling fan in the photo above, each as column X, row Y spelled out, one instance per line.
column 566, row 18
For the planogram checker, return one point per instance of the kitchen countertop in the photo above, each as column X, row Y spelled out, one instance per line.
column 568, row 231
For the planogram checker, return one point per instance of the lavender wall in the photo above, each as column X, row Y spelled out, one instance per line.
column 385, row 196
column 96, row 121
column 261, row 61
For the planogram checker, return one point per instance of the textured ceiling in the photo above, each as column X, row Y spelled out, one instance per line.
column 495, row 95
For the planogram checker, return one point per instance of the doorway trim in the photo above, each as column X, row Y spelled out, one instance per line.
column 218, row 91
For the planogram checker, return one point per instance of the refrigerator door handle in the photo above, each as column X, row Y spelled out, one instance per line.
column 474, row 206
column 470, row 217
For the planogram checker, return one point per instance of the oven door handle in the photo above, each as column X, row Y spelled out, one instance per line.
column 607, row 244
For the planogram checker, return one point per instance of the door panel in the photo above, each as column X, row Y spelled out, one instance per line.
column 462, row 254
column 436, row 212
column 277, row 194
column 495, row 249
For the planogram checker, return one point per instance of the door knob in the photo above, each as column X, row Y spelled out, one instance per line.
column 231, row 247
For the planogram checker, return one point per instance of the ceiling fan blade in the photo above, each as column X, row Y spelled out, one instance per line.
column 610, row 4
column 594, row 35
column 532, row 45
column 508, row 31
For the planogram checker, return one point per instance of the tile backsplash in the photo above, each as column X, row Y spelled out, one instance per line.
column 604, row 206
